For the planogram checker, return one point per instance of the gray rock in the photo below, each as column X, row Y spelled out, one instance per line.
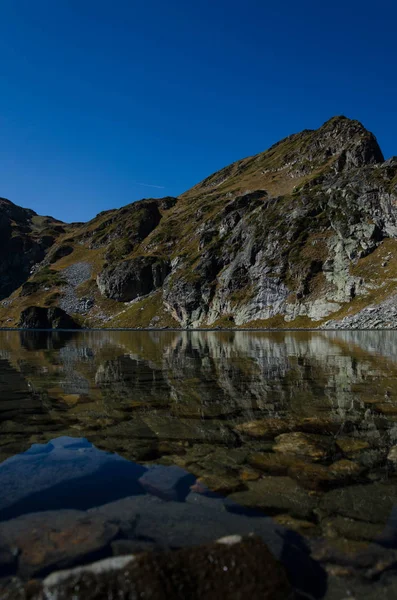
column 130, row 279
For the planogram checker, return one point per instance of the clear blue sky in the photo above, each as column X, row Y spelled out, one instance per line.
column 99, row 96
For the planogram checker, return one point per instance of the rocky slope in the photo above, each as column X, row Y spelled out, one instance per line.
column 25, row 238
column 301, row 235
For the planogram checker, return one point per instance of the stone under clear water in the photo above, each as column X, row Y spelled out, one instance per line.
column 158, row 440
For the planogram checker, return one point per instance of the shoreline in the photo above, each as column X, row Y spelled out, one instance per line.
column 206, row 329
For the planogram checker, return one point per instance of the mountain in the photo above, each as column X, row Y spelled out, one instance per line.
column 301, row 235
column 25, row 238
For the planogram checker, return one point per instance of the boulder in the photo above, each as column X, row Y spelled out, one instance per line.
column 130, row 279
column 39, row 317
column 232, row 568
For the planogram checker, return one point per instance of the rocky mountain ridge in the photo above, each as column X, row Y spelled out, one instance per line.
column 301, row 235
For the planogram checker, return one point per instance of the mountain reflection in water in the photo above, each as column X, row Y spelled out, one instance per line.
column 301, row 426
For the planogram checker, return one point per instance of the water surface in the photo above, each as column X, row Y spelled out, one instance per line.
column 299, row 426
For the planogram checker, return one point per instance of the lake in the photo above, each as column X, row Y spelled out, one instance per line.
column 142, row 440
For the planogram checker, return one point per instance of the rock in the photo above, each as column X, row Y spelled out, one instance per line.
column 232, row 570
column 13, row 588
column 274, row 495
column 74, row 276
column 360, row 558
column 311, row 476
column 351, row 446
column 223, row 484
column 20, row 246
column 59, row 252
column 343, row 470
column 38, row 317
column 168, row 483
column 264, row 428
column 392, row 456
column 132, row 278
column 370, row 458
column 351, row 529
column 54, row 540
column 372, row 503
column 320, row 477
column 189, row 430
column 248, row 474
column 271, row 462
column 300, row 525
column 321, row 425
column 125, row 547
column 302, row 444
column 387, row 408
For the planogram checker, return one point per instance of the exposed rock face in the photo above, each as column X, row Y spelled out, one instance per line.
column 132, row 278
column 301, row 234
column 24, row 240
column 38, row 317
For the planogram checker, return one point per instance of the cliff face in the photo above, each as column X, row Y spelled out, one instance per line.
column 24, row 240
column 299, row 235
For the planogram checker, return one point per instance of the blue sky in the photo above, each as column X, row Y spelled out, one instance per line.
column 98, row 97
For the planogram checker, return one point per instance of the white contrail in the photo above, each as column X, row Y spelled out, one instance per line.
column 159, row 187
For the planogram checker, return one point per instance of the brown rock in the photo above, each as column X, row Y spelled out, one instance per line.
column 271, row 462
column 51, row 540
column 221, row 484
column 387, row 408
column 299, row 525
column 392, row 456
column 303, row 444
column 311, row 476
column 248, row 474
column 351, row 446
column 322, row 425
column 345, row 469
column 264, row 428
column 275, row 495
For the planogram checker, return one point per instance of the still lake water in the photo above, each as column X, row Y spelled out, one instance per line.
column 164, row 439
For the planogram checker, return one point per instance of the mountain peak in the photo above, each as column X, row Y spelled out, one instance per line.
column 356, row 145
column 340, row 143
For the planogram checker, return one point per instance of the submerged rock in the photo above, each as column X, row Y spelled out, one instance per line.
column 274, row 495
column 372, row 503
column 351, row 446
column 392, row 456
column 264, row 428
column 56, row 539
column 303, row 444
